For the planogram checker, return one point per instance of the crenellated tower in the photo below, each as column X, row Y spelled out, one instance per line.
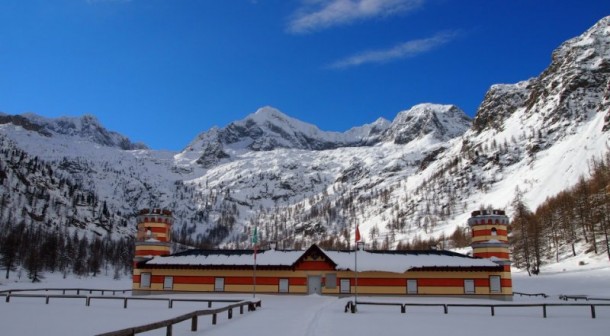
column 154, row 233
column 490, row 235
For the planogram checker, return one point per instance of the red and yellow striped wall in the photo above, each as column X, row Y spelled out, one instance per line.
column 433, row 281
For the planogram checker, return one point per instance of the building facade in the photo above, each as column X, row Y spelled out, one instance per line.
column 271, row 271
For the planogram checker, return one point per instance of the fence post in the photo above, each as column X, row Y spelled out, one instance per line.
column 493, row 311
column 194, row 323
column 241, row 309
column 592, row 311
column 544, row 310
column 47, row 299
column 214, row 319
column 168, row 332
column 445, row 309
column 8, row 297
column 230, row 313
column 78, row 292
column 88, row 301
column 403, row 309
column 209, row 304
column 125, row 303
column 171, row 303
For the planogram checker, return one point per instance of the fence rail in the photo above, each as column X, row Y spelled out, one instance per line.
column 193, row 316
column 125, row 299
column 530, row 294
column 351, row 306
column 64, row 290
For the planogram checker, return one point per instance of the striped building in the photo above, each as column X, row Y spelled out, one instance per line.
column 431, row 272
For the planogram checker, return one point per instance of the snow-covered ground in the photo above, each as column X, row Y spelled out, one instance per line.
column 320, row 315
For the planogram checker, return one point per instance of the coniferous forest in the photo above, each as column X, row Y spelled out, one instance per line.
column 577, row 217
column 572, row 222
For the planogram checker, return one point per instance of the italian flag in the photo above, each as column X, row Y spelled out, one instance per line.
column 255, row 240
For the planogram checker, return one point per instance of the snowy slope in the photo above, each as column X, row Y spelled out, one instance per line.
column 418, row 176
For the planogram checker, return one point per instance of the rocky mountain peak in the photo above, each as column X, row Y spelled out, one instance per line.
column 569, row 92
column 440, row 122
column 86, row 127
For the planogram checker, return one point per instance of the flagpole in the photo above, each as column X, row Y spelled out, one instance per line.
column 254, row 244
column 254, row 288
column 357, row 236
column 356, row 280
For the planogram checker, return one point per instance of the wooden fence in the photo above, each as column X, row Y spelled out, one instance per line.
column 168, row 324
column 66, row 290
column 88, row 298
column 351, row 306
column 193, row 316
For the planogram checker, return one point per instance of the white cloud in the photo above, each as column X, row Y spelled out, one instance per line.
column 400, row 51
column 316, row 15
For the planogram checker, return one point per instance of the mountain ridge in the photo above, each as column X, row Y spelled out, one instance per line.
column 416, row 177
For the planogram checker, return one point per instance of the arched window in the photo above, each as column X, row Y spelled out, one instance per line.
column 494, row 232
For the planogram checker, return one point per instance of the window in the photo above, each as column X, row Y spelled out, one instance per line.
column 331, row 281
column 469, row 286
column 411, row 286
column 219, row 284
column 494, row 284
column 168, row 282
column 145, row 280
column 345, row 286
column 284, row 285
column 494, row 232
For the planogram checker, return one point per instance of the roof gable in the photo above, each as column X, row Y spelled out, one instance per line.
column 314, row 258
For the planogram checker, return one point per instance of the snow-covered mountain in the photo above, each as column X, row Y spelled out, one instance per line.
column 418, row 176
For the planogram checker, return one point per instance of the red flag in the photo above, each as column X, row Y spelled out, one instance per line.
column 357, row 234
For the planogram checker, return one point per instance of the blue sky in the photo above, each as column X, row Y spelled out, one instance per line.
column 162, row 71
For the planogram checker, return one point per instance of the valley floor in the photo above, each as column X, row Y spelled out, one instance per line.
column 318, row 315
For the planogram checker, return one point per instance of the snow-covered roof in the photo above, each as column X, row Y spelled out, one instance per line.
column 388, row 261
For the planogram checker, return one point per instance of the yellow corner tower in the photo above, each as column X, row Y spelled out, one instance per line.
column 490, row 235
column 490, row 240
column 154, row 233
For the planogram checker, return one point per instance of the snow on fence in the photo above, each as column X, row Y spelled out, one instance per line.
column 351, row 306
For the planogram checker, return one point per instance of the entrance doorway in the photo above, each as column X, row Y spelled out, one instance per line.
column 314, row 284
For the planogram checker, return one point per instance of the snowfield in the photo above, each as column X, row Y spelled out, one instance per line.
column 324, row 315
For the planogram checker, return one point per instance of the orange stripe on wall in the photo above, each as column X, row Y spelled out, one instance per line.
column 248, row 281
column 481, row 282
column 232, row 280
column 314, row 265
column 157, row 229
column 492, row 254
column 200, row 280
column 297, row 281
column 377, row 282
column 487, row 232
column 440, row 282
column 157, row 278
